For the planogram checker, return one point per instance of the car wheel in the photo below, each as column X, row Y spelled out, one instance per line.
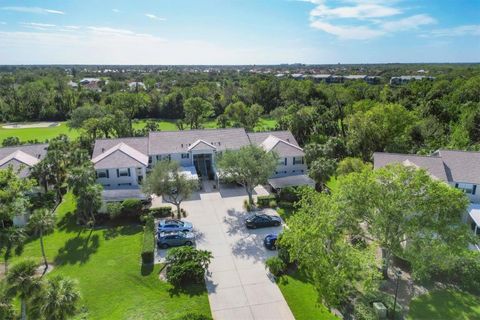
column 277, row 224
column 188, row 243
column 164, row 246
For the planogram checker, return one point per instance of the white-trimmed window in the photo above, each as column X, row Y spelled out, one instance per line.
column 298, row 160
column 466, row 187
column 102, row 173
column 185, row 155
column 124, row 172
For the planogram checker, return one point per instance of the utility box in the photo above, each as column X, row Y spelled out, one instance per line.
column 380, row 310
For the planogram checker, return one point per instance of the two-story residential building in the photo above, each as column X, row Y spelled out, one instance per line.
column 122, row 164
column 460, row 169
column 22, row 159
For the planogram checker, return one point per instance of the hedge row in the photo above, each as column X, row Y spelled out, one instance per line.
column 148, row 247
column 264, row 201
column 160, row 212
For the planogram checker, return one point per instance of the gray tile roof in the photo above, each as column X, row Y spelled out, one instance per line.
column 102, row 145
column 461, row 166
column 166, row 142
column 433, row 164
column 37, row 151
column 169, row 142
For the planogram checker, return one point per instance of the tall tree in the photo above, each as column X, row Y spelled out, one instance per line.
column 12, row 240
column 58, row 299
column 324, row 249
column 197, row 111
column 23, row 283
column 249, row 166
column 167, row 181
column 404, row 207
column 42, row 222
column 131, row 104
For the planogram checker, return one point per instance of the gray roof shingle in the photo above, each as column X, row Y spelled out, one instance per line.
column 37, row 151
column 461, row 166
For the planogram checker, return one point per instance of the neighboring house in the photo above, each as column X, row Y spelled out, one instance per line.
column 460, row 169
column 122, row 164
column 73, row 85
column 91, row 84
column 22, row 159
column 406, row 79
column 135, row 86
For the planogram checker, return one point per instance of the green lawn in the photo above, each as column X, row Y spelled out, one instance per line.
column 302, row 298
column 332, row 184
column 107, row 265
column 445, row 304
column 42, row 134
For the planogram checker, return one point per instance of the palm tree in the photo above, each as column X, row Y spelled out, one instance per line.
column 42, row 221
column 58, row 300
column 22, row 282
column 11, row 239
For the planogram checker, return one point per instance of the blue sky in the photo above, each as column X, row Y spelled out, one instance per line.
column 238, row 31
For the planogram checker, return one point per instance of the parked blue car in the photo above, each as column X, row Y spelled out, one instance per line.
column 173, row 239
column 168, row 225
column 260, row 220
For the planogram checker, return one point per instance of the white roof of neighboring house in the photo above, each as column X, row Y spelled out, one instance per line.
column 272, row 143
column 197, row 145
column 136, row 84
column 474, row 212
column 115, row 157
column 22, row 157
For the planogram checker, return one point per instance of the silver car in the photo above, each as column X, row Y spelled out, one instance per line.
column 167, row 225
column 173, row 239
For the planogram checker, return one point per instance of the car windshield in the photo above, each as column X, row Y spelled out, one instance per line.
column 173, row 223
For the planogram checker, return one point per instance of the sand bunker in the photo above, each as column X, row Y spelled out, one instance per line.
column 30, row 125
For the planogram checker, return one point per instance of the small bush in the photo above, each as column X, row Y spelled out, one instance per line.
column 160, row 212
column 364, row 311
column 289, row 194
column 132, row 207
column 43, row 200
column 187, row 265
column 114, row 209
column 193, row 316
column 272, row 204
column 247, row 206
column 264, row 201
column 377, row 296
column 275, row 265
column 148, row 247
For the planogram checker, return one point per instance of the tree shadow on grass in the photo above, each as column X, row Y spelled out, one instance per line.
column 127, row 230
column 78, row 249
column 190, row 290
column 68, row 223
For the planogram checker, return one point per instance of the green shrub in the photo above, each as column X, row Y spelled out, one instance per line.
column 272, row 204
column 132, row 207
column 388, row 300
column 364, row 311
column 160, row 212
column 148, row 247
column 193, row 316
column 187, row 265
column 289, row 194
column 247, row 206
column 43, row 200
column 264, row 201
column 276, row 266
column 114, row 209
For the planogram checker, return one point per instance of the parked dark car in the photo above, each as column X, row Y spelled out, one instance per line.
column 174, row 239
column 270, row 241
column 167, row 225
column 261, row 220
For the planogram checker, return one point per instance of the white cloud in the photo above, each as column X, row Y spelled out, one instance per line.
column 347, row 32
column 36, row 24
column 408, row 23
column 465, row 30
column 35, row 10
column 154, row 17
column 363, row 19
column 3, row 23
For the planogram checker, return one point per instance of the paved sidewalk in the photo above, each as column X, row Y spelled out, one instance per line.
column 237, row 282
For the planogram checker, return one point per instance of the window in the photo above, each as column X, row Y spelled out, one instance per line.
column 102, row 174
column 185, row 155
column 124, row 184
column 124, row 172
column 285, row 161
column 466, row 187
column 282, row 162
column 298, row 160
column 106, row 185
column 150, row 159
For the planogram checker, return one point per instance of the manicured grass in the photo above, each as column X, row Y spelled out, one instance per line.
column 42, row 134
column 106, row 263
column 302, row 298
column 445, row 304
column 332, row 184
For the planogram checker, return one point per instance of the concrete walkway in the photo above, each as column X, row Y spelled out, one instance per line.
column 237, row 282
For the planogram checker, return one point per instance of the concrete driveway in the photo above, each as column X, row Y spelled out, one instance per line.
column 237, row 282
